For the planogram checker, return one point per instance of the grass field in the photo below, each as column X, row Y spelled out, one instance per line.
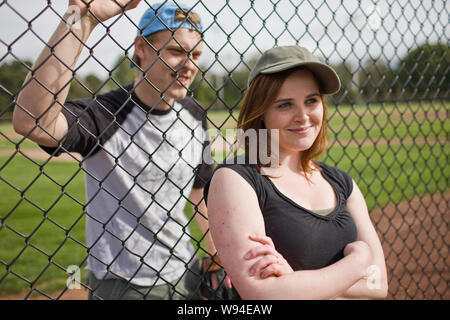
column 37, row 213
column 403, row 152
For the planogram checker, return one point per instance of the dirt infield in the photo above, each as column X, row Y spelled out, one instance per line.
column 219, row 144
column 75, row 294
column 39, row 154
column 415, row 238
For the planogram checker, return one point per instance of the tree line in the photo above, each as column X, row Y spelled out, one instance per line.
column 422, row 74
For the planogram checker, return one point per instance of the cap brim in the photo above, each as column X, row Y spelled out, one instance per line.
column 328, row 78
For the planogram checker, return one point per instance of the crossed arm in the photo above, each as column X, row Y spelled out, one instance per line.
column 235, row 216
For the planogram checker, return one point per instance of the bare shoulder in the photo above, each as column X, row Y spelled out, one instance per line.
column 233, row 205
column 234, row 214
column 356, row 198
column 226, row 179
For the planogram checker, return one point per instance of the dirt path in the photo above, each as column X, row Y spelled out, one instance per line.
column 39, row 154
column 415, row 239
column 75, row 294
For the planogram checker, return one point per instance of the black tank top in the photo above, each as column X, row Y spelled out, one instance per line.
column 307, row 240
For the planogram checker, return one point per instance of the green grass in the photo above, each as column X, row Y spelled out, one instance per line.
column 388, row 121
column 41, row 206
column 371, row 123
column 6, row 128
column 37, row 212
column 10, row 144
column 9, row 140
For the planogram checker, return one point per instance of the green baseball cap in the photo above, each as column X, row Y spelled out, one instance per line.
column 287, row 57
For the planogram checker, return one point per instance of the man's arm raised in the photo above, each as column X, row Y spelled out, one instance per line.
column 37, row 114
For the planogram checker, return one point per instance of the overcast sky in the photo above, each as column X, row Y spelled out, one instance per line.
column 337, row 30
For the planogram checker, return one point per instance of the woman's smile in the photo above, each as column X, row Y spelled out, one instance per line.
column 302, row 130
column 297, row 112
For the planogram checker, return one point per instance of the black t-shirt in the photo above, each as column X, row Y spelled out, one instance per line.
column 305, row 239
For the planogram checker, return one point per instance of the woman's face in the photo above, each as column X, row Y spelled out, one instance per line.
column 297, row 112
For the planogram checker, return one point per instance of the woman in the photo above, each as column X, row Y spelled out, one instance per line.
column 324, row 244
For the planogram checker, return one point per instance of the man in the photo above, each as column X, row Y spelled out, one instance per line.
column 141, row 148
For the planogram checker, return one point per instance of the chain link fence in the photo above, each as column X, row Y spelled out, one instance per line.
column 388, row 127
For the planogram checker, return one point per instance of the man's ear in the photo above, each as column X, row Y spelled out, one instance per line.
column 139, row 45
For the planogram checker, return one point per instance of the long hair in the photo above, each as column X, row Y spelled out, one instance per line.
column 260, row 95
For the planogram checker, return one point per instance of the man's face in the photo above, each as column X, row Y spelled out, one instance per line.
column 173, row 66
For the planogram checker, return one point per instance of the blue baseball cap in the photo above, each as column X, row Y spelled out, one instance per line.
column 161, row 17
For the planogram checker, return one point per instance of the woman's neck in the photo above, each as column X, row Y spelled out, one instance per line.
column 289, row 166
column 289, row 161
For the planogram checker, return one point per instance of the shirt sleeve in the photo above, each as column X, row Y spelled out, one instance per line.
column 348, row 184
column 83, row 129
column 249, row 173
column 91, row 122
column 204, row 171
column 341, row 178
